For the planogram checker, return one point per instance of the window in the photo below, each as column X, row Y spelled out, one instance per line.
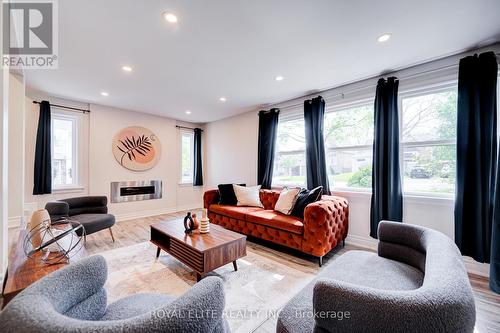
column 428, row 139
column 348, row 136
column 187, row 148
column 290, row 156
column 64, row 151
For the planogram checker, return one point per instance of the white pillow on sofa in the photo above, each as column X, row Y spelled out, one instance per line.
column 247, row 195
column 287, row 200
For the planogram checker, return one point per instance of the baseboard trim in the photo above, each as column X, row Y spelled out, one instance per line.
column 365, row 242
column 472, row 266
column 154, row 212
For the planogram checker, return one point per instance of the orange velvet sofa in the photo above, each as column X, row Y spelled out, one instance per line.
column 324, row 226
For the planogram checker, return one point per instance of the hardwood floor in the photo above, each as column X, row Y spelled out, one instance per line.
column 131, row 232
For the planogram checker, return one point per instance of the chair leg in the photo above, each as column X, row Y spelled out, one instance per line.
column 320, row 261
column 112, row 237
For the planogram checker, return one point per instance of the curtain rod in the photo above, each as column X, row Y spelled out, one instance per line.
column 66, row 107
column 190, row 128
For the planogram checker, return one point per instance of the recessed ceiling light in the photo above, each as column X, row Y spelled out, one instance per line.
column 169, row 17
column 222, row 99
column 104, row 93
column 279, row 78
column 188, row 112
column 383, row 38
column 127, row 68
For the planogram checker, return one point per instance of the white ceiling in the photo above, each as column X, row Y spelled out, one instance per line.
column 235, row 48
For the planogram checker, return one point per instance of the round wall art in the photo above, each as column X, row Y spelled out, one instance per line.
column 136, row 148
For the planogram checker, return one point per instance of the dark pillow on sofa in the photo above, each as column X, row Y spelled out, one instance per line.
column 304, row 198
column 226, row 194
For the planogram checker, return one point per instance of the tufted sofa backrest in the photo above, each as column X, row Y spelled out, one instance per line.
column 269, row 198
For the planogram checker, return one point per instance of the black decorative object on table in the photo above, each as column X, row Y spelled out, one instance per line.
column 188, row 223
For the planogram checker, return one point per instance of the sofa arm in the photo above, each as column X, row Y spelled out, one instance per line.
column 57, row 209
column 210, row 197
column 325, row 225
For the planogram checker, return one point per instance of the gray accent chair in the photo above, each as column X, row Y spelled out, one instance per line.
column 73, row 299
column 416, row 283
column 90, row 211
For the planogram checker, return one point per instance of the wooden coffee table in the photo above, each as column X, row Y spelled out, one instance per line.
column 201, row 252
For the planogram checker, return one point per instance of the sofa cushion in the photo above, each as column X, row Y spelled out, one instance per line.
column 276, row 220
column 304, row 198
column 136, row 305
column 94, row 222
column 286, row 201
column 237, row 212
column 248, row 196
column 227, row 195
column 370, row 270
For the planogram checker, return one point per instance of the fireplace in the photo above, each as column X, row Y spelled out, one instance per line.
column 136, row 190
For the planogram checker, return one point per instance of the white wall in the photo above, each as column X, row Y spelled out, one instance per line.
column 99, row 167
column 105, row 122
column 232, row 150
column 16, row 151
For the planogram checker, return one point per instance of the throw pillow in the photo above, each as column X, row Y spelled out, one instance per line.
column 286, row 200
column 226, row 194
column 304, row 198
column 248, row 196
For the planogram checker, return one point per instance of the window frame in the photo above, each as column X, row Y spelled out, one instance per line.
column 283, row 119
column 342, row 107
column 75, row 156
column 422, row 91
column 191, row 149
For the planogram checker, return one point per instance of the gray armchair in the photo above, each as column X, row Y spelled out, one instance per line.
column 73, row 299
column 90, row 211
column 416, row 283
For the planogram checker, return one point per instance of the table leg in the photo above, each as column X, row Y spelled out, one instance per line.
column 235, row 265
column 198, row 277
column 158, row 252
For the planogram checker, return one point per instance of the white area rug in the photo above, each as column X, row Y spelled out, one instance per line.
column 264, row 282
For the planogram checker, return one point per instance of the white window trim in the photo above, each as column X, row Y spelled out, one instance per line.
column 416, row 92
column 76, row 158
column 183, row 132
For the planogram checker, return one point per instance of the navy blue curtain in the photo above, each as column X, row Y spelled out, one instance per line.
column 43, row 155
column 314, row 116
column 197, row 167
column 387, row 194
column 477, row 157
column 268, row 131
